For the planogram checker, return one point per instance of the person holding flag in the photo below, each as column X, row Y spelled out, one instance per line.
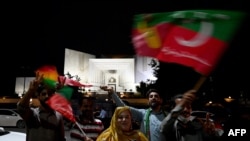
column 193, row 38
column 42, row 123
column 85, row 127
column 149, row 118
column 91, row 126
column 180, row 125
column 54, row 92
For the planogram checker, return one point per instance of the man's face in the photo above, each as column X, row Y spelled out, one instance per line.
column 154, row 100
column 87, row 107
column 187, row 108
column 187, row 111
column 44, row 95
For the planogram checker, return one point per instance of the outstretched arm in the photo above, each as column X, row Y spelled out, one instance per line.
column 137, row 113
column 115, row 97
column 167, row 125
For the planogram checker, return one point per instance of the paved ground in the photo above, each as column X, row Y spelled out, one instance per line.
column 23, row 131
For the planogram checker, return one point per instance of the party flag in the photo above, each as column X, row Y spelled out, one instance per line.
column 50, row 75
column 193, row 38
column 71, row 82
column 60, row 101
column 62, row 105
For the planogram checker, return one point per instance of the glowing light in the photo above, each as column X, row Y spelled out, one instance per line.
column 229, row 99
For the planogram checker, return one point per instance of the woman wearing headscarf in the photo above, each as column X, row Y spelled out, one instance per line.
column 120, row 128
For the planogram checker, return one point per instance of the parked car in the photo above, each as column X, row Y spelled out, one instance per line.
column 212, row 117
column 202, row 115
column 11, row 135
column 9, row 117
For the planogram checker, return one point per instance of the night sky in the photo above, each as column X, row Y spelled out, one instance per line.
column 37, row 33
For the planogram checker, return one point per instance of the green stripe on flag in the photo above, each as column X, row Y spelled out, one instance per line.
column 222, row 23
column 66, row 91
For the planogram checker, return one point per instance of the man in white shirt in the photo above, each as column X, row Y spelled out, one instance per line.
column 103, row 114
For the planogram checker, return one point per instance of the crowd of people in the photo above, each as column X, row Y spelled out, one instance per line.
column 149, row 119
column 156, row 124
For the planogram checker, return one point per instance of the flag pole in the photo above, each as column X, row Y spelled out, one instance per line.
column 198, row 84
column 78, row 125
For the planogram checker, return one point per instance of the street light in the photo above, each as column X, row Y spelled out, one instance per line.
column 229, row 99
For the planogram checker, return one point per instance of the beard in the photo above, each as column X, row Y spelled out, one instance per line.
column 44, row 104
column 185, row 114
column 87, row 113
column 153, row 105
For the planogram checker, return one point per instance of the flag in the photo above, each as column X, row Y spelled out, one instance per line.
column 193, row 38
column 71, row 82
column 60, row 101
column 61, row 104
column 50, row 75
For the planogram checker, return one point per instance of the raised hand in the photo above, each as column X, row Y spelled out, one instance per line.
column 208, row 125
column 188, row 97
column 61, row 82
column 36, row 82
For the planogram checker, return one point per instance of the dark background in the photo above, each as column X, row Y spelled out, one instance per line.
column 37, row 32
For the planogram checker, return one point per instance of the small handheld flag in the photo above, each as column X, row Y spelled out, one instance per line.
column 60, row 100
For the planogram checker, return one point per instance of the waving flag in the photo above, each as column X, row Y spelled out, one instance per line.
column 60, row 101
column 61, row 104
column 193, row 38
column 74, row 83
column 50, row 75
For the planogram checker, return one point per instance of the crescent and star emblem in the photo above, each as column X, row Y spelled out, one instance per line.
column 205, row 32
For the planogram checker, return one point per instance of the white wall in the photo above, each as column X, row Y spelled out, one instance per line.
column 143, row 71
column 130, row 71
column 22, row 84
column 77, row 63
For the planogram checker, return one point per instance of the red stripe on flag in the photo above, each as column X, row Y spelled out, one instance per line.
column 61, row 105
column 191, row 38
column 203, row 57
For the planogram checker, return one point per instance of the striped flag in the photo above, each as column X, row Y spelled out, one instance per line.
column 60, row 101
column 61, row 104
column 193, row 38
